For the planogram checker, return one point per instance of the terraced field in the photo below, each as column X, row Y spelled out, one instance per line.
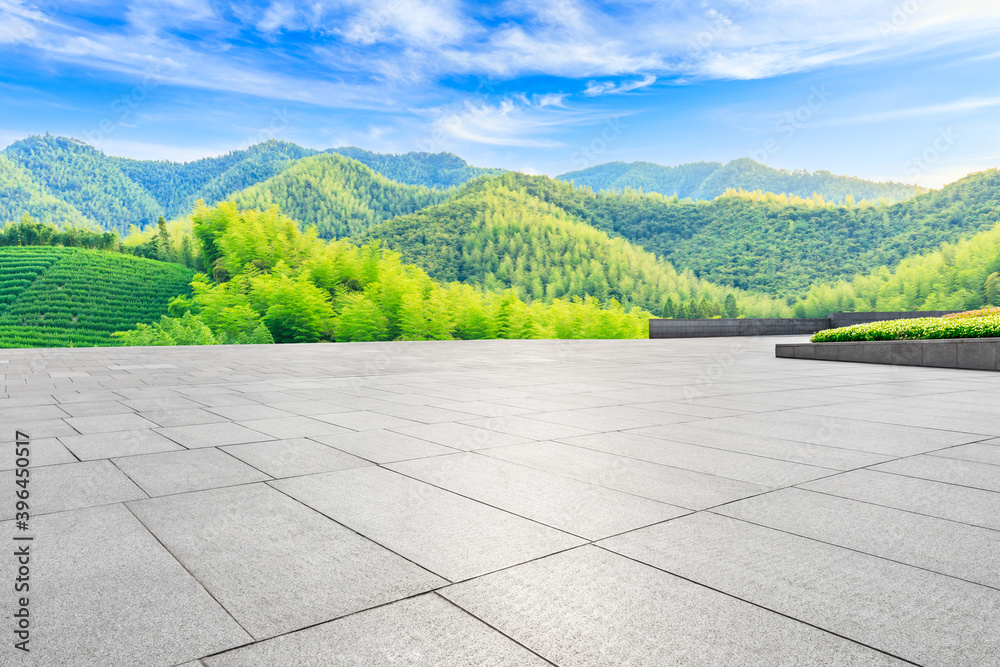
column 70, row 297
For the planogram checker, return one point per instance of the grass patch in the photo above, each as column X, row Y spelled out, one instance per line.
column 970, row 324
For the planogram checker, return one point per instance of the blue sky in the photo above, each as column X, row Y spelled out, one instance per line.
column 884, row 89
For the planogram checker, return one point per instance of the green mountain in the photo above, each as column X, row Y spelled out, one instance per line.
column 707, row 180
column 66, row 181
column 432, row 170
column 86, row 179
column 957, row 276
column 341, row 196
column 777, row 245
column 496, row 233
column 176, row 186
column 21, row 194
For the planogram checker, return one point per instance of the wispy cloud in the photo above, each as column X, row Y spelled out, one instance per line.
column 607, row 87
column 511, row 122
column 946, row 109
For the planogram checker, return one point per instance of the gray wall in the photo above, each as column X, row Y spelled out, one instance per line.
column 773, row 326
column 972, row 353
column 743, row 327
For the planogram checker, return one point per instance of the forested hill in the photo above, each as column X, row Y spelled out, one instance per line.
column 338, row 195
column 66, row 181
column 777, row 245
column 432, row 170
column 707, row 180
column 496, row 234
column 20, row 194
column 176, row 186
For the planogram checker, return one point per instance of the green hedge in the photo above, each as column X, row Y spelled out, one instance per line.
column 965, row 325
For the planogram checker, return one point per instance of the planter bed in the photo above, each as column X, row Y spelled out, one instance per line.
column 971, row 353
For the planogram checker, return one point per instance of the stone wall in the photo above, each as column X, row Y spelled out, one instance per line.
column 971, row 353
column 772, row 326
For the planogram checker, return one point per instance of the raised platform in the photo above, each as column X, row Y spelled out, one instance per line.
column 506, row 503
column 774, row 326
column 981, row 354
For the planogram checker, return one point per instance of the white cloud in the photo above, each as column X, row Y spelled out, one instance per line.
column 595, row 88
column 411, row 22
column 512, row 122
column 950, row 108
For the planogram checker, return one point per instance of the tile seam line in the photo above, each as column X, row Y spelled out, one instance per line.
column 586, row 540
column 454, row 604
column 359, row 534
column 857, row 551
column 186, row 570
column 932, row 516
column 718, row 449
column 762, row 606
column 310, row 626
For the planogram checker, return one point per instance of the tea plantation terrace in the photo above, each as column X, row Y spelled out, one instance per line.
column 644, row 502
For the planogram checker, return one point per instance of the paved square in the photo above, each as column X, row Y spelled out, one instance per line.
column 571, row 503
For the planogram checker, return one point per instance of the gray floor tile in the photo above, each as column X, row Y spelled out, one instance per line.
column 911, row 613
column 212, row 435
column 362, row 420
column 448, row 534
column 743, row 467
column 182, row 417
column 980, row 452
column 948, row 470
column 187, row 470
column 13, row 415
column 532, row 429
column 683, row 488
column 460, row 436
column 824, row 456
column 426, row 630
column 42, row 428
column 424, row 414
column 249, row 411
column 274, row 564
column 117, row 443
column 590, row 607
column 293, row 427
column 70, row 486
column 109, row 423
column 956, row 549
column 107, row 593
column 308, row 408
column 42, row 452
column 888, row 439
column 946, row 501
column 96, row 408
column 583, row 509
column 290, row 458
column 383, row 446
column 174, row 402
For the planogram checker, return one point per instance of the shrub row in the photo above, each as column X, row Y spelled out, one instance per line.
column 972, row 324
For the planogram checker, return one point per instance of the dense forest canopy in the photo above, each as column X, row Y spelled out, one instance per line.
column 708, row 180
column 432, row 170
column 780, row 245
column 497, row 234
column 66, row 181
